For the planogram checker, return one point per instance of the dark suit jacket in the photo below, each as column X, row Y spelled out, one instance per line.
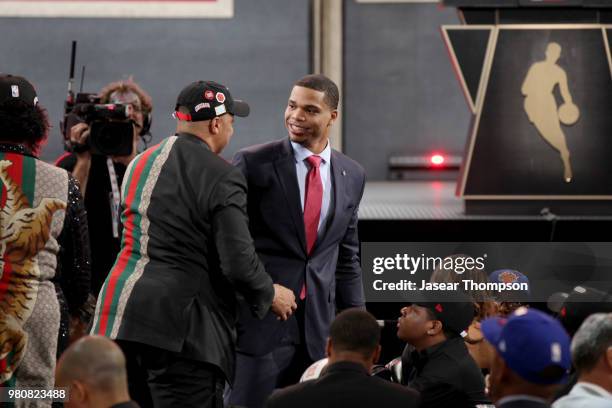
column 332, row 271
column 523, row 403
column 345, row 384
column 197, row 255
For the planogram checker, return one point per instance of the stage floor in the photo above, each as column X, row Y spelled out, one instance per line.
column 392, row 200
column 428, row 200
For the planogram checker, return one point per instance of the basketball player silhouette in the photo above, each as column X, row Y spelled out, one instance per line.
column 541, row 106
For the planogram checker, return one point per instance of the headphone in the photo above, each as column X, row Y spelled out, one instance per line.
column 145, row 131
column 147, row 120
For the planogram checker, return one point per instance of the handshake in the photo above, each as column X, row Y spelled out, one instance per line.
column 283, row 304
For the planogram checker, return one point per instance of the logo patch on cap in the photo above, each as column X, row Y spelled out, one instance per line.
column 439, row 308
column 210, row 95
column 15, row 91
column 508, row 277
column 220, row 97
column 555, row 352
column 220, row 110
column 201, row 106
column 521, row 311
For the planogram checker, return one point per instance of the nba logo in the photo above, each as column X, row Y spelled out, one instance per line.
column 15, row 91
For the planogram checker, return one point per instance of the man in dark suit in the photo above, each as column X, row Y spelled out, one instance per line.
column 302, row 204
column 532, row 356
column 170, row 301
column 353, row 348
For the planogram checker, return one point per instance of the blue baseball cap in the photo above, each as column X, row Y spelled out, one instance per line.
column 533, row 345
column 508, row 276
column 511, row 276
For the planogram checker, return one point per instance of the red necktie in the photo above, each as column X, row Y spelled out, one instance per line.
column 313, row 198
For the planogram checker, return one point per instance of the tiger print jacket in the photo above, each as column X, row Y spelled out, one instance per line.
column 41, row 217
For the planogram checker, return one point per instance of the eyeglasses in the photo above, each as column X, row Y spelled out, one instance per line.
column 128, row 98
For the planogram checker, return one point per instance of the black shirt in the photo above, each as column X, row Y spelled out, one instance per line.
column 98, row 196
column 447, row 376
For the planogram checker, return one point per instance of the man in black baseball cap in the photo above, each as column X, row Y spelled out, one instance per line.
column 176, row 320
column 16, row 88
column 440, row 366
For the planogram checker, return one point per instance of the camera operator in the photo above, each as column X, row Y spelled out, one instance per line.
column 101, row 176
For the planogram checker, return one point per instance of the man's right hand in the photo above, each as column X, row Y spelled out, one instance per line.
column 283, row 303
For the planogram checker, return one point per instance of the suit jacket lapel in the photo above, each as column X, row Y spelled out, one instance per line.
column 339, row 197
column 285, row 171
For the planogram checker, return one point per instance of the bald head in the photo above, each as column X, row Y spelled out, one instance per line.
column 95, row 361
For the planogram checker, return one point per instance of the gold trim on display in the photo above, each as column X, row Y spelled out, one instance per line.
column 607, row 45
column 453, row 55
column 480, row 99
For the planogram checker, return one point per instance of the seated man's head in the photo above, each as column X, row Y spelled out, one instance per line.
column 592, row 350
column 93, row 369
column 429, row 323
column 531, row 354
column 354, row 336
column 22, row 120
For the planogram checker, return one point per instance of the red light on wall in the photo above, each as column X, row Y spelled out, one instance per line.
column 436, row 159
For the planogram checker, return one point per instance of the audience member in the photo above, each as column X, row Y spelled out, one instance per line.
column 592, row 356
column 93, row 370
column 440, row 366
column 531, row 357
column 42, row 210
column 572, row 309
column 483, row 300
column 353, row 348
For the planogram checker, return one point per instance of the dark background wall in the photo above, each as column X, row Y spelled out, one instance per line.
column 400, row 92
column 401, row 96
column 259, row 53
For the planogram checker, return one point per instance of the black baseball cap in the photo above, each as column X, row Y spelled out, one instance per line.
column 16, row 88
column 455, row 311
column 577, row 305
column 206, row 100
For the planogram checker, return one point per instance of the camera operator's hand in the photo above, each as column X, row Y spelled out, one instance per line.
column 79, row 135
column 283, row 304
